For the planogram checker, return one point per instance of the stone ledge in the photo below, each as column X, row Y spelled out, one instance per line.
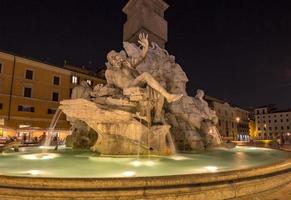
column 223, row 185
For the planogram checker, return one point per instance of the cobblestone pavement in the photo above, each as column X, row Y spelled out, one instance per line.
column 282, row 193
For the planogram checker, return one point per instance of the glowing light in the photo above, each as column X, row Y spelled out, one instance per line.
column 128, row 173
column 40, row 156
column 179, row 158
column 46, row 147
column 237, row 119
column 136, row 163
column 33, row 172
column 211, row 168
column 150, row 163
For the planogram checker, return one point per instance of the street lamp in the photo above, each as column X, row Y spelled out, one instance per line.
column 237, row 119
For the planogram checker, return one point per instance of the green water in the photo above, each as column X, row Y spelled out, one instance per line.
column 67, row 163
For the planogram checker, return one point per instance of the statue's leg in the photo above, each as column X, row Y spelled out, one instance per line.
column 149, row 80
column 159, row 108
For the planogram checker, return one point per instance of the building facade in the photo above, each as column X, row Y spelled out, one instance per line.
column 271, row 122
column 233, row 122
column 30, row 92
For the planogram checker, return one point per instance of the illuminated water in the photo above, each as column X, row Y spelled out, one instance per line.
column 67, row 163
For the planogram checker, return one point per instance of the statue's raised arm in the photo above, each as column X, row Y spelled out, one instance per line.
column 144, row 42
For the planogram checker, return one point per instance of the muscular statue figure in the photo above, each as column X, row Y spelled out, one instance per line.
column 202, row 106
column 122, row 72
column 81, row 91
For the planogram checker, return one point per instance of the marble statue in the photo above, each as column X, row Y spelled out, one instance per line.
column 122, row 72
column 81, row 91
column 144, row 107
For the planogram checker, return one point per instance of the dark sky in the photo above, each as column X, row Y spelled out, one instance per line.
column 238, row 50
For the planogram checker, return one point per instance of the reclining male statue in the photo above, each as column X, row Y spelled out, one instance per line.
column 122, row 72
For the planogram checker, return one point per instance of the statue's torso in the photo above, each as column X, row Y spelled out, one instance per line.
column 121, row 78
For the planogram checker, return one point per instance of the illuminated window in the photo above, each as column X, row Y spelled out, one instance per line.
column 55, row 96
column 27, row 92
column 89, row 82
column 74, row 79
column 29, row 74
column 56, row 80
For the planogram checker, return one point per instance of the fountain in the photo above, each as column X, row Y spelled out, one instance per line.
column 134, row 112
column 141, row 136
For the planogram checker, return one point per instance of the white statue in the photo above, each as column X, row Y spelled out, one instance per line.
column 123, row 74
column 81, row 91
column 202, row 106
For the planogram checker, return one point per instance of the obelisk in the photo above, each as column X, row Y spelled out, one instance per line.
column 146, row 16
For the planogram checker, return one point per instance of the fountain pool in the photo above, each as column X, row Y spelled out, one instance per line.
column 67, row 163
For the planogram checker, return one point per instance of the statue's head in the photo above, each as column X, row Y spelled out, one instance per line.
column 131, row 49
column 115, row 58
column 200, row 94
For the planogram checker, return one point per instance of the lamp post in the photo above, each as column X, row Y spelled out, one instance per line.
column 237, row 119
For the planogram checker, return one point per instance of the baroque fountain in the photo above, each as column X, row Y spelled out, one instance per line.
column 143, row 107
column 140, row 136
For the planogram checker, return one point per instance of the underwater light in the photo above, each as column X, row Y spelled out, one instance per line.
column 136, row 163
column 128, row 173
column 33, row 172
column 40, row 156
column 179, row 158
column 211, row 168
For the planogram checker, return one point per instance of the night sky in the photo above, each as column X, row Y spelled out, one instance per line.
column 237, row 50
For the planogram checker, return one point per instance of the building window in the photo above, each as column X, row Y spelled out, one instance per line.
column 56, row 80
column 259, row 128
column 51, row 111
column 29, row 74
column 74, row 79
column 288, row 127
column 25, row 108
column 1, row 67
column 275, row 120
column 282, row 127
column 89, row 82
column 27, row 92
column 1, row 106
column 287, row 120
column 55, row 96
column 270, row 128
column 275, row 127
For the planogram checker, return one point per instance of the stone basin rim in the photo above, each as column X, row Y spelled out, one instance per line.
column 55, row 183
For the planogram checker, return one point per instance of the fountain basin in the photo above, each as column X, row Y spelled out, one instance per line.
column 254, row 170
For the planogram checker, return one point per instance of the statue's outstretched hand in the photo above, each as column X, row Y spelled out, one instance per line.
column 143, row 40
